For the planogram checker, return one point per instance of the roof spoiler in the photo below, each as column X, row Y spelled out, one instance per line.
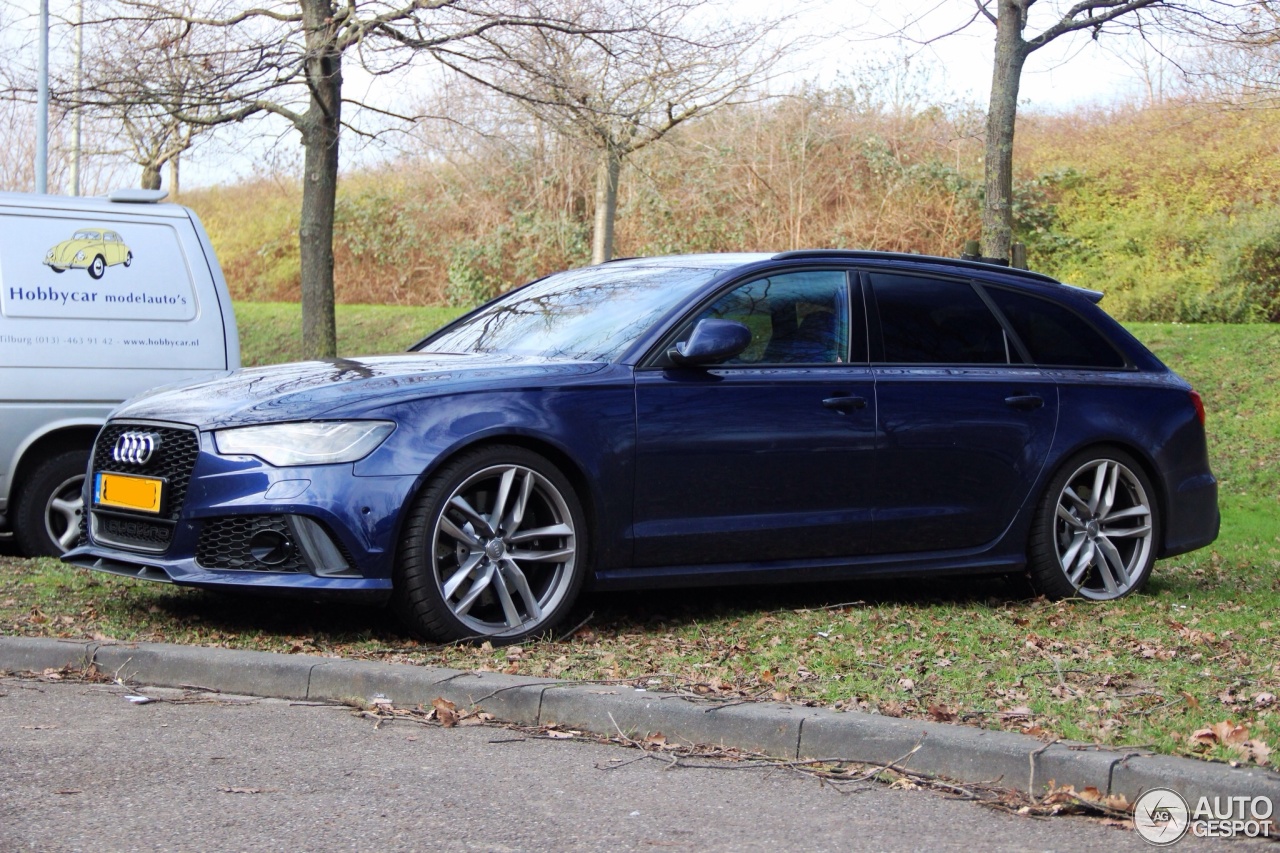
column 1094, row 296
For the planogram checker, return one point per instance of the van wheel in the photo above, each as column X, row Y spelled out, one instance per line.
column 98, row 267
column 47, row 523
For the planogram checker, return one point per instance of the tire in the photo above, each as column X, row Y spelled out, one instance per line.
column 49, row 508
column 128, row 259
column 58, row 269
column 1096, row 530
column 460, row 576
column 97, row 267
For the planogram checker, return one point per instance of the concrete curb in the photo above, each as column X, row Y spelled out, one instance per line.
column 960, row 753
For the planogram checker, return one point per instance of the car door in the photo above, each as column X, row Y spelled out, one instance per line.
column 965, row 423
column 766, row 457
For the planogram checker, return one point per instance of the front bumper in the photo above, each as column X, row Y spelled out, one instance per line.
column 318, row 530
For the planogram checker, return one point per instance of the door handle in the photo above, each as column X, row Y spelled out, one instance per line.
column 1025, row 402
column 845, row 403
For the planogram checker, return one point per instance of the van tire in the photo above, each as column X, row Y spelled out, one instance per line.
column 50, row 505
column 97, row 267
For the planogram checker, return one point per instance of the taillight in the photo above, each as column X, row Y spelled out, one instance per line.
column 1199, row 404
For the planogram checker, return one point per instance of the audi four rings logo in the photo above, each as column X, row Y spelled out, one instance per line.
column 135, row 447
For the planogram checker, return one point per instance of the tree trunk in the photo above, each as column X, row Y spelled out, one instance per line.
column 1006, row 76
column 151, row 176
column 606, row 204
column 173, row 175
column 319, row 126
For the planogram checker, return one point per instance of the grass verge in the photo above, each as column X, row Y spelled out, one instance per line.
column 1189, row 667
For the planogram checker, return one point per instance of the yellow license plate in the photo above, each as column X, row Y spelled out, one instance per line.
column 126, row 491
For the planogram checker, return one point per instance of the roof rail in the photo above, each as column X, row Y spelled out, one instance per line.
column 869, row 255
column 133, row 195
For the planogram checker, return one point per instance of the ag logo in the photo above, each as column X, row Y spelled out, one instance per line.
column 1161, row 816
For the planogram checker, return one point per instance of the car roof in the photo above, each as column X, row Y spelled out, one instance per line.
column 732, row 260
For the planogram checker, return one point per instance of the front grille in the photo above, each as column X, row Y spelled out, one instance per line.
column 173, row 460
column 224, row 544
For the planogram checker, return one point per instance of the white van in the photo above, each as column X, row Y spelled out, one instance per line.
column 100, row 299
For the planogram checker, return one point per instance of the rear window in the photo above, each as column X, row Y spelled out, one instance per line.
column 1054, row 334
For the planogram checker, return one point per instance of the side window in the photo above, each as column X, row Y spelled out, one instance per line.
column 794, row 318
column 1052, row 333
column 934, row 321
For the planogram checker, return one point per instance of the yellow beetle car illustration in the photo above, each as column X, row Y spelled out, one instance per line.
column 92, row 249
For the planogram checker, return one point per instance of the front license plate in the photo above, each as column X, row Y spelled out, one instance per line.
column 126, row 491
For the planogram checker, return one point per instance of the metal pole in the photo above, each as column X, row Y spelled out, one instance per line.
column 42, row 104
column 75, row 110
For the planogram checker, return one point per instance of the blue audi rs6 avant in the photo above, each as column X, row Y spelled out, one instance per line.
column 676, row 421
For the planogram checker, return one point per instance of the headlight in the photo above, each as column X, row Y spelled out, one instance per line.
column 49, row 255
column 79, row 256
column 313, row 443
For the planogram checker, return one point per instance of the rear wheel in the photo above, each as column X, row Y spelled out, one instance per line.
column 1095, row 532
column 494, row 549
column 47, row 521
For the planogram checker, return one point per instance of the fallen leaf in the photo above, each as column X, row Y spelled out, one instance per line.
column 1256, row 751
column 906, row 683
column 556, row 734
column 446, row 712
column 942, row 713
column 1229, row 733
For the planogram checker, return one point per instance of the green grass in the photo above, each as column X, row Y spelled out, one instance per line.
column 271, row 332
column 1200, row 646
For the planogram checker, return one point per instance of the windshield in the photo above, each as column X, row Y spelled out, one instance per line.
column 86, row 235
column 590, row 314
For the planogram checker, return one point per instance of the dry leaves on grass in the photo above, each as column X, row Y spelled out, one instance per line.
column 1235, row 737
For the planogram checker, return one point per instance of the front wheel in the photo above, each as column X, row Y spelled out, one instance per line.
column 1095, row 532
column 494, row 548
column 97, row 267
column 49, row 508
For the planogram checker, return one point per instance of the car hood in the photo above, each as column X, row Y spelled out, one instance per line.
column 313, row 389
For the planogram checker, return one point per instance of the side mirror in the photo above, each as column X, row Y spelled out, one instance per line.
column 711, row 342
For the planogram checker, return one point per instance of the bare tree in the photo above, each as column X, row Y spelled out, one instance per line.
column 284, row 58
column 640, row 71
column 1013, row 46
column 1238, row 63
column 141, row 79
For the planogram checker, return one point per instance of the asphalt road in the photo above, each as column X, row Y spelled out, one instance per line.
column 81, row 768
